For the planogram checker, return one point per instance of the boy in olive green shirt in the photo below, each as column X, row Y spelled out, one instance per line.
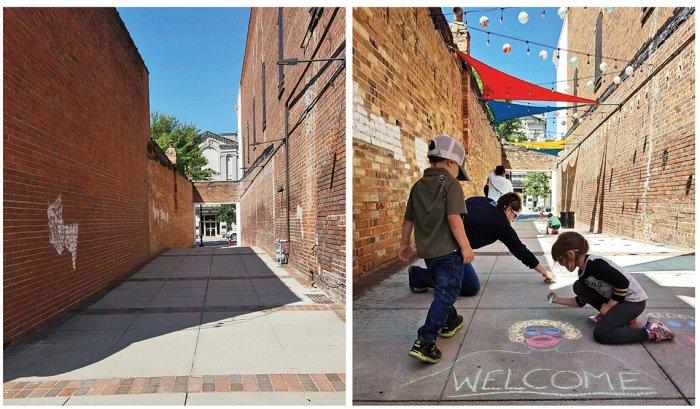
column 434, row 209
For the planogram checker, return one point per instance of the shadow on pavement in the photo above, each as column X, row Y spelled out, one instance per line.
column 157, row 317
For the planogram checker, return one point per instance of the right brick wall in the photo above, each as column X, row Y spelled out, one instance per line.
column 407, row 87
column 631, row 169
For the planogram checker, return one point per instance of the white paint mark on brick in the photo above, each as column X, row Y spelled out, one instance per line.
column 374, row 129
column 421, row 154
column 62, row 236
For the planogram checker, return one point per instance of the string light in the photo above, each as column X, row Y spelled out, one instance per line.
column 588, row 55
column 488, row 39
column 500, row 20
column 528, row 47
column 542, row 13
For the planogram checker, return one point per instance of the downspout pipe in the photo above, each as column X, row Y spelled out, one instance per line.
column 287, row 182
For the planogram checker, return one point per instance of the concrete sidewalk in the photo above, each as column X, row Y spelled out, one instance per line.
column 494, row 360
column 196, row 326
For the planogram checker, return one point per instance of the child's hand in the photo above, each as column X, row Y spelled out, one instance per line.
column 467, row 255
column 405, row 252
column 549, row 278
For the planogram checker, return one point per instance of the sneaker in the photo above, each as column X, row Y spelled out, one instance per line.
column 594, row 319
column 425, row 352
column 449, row 330
column 416, row 290
column 658, row 332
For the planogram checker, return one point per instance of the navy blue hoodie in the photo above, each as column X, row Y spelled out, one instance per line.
column 485, row 223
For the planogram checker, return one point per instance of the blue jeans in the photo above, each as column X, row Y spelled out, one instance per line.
column 424, row 277
column 449, row 270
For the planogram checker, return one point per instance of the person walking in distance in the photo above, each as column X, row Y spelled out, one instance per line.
column 498, row 184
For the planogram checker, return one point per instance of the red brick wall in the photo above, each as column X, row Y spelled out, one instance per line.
column 316, row 143
column 171, row 220
column 76, row 126
column 633, row 173
column 215, row 192
column 408, row 87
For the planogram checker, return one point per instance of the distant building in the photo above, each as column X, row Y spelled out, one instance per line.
column 221, row 152
column 534, row 127
column 560, row 59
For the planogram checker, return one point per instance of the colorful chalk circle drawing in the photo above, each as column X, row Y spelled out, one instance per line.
column 682, row 325
column 543, row 368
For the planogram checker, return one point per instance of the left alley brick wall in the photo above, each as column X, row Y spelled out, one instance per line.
column 76, row 173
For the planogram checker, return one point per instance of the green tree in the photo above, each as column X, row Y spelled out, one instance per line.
column 536, row 184
column 186, row 139
column 226, row 213
column 510, row 131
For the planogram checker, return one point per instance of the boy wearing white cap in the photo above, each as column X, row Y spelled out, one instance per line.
column 435, row 207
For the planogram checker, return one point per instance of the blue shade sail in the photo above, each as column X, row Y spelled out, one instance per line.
column 503, row 111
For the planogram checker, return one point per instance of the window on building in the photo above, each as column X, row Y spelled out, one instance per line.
column 254, row 123
column 598, row 50
column 264, row 97
column 280, row 52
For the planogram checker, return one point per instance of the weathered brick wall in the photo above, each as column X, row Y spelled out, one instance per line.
column 215, row 192
column 633, row 173
column 76, row 126
column 315, row 93
column 170, row 203
column 408, row 87
column 520, row 158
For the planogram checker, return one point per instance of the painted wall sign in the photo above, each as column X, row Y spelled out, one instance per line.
column 62, row 236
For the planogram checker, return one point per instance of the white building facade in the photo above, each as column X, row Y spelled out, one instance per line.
column 534, row 127
column 222, row 154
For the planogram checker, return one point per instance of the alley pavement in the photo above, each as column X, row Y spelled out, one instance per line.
column 493, row 360
column 209, row 325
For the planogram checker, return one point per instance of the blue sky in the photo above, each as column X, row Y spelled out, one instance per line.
column 194, row 57
column 527, row 67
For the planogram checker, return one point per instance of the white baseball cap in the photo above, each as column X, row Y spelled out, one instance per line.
column 447, row 147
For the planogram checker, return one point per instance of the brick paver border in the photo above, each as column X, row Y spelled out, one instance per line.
column 317, row 382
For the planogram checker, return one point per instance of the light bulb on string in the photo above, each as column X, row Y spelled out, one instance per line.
column 500, row 20
column 523, row 17
column 484, row 21
column 542, row 13
column 588, row 59
column 562, row 12
column 528, row 47
column 629, row 70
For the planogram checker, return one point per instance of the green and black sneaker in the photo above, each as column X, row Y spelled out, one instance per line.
column 425, row 352
column 449, row 330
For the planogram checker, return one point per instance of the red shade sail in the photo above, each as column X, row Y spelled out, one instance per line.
column 499, row 85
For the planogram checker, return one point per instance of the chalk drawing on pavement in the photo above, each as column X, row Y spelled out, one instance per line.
column 681, row 324
column 61, row 235
column 543, row 369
